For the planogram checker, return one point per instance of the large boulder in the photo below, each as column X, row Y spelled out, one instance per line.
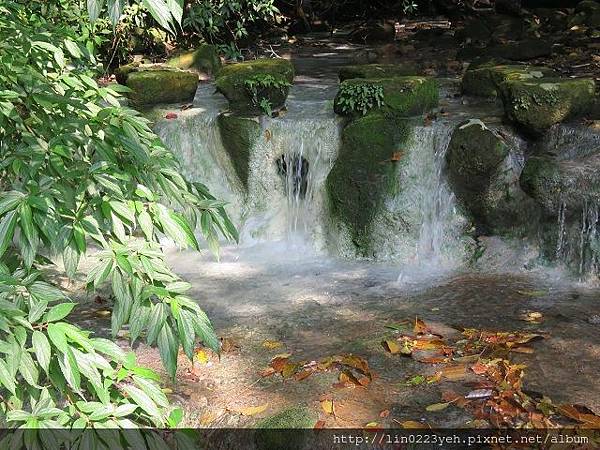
column 523, row 50
column 239, row 135
column 373, row 32
column 484, row 79
column 484, row 176
column 401, row 96
column 364, row 174
column 377, row 70
column 159, row 84
column 536, row 104
column 203, row 60
column 248, row 83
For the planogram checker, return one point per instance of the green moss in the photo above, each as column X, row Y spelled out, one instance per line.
column 541, row 179
column 377, row 71
column 205, row 59
column 485, row 79
column 402, row 96
column 536, row 105
column 231, row 79
column 122, row 72
column 161, row 86
column 276, row 432
column 365, row 172
column 239, row 135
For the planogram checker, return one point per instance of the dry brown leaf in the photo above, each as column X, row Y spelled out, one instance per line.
column 207, row 418
column 320, row 424
column 385, row 413
column 420, row 327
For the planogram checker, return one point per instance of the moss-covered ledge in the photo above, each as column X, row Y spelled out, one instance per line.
column 365, row 173
column 402, row 96
column 204, row 60
column 160, row 84
column 378, row 70
column 536, row 105
column 239, row 135
column 231, row 81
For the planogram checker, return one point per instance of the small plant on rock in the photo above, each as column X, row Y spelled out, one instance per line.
column 258, row 87
column 359, row 98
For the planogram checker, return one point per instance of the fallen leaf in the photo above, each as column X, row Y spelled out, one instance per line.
column 320, row 424
column 253, row 410
column 522, row 349
column 372, row 425
column 103, row 313
column 267, row 372
column 415, row 380
column 186, row 106
column 328, row 406
column 272, row 344
column 411, row 424
column 383, row 414
column 454, row 372
column 268, row 135
column 171, row 115
column 392, row 346
column 396, row 156
column 532, row 293
column 479, row 394
column 228, row 345
column 437, row 407
column 479, row 368
column 420, row 327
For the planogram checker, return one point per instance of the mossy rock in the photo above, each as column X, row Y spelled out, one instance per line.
column 230, row 81
column 377, row 71
column 540, row 179
column 536, row 105
column 480, row 175
column 239, row 135
column 402, row 96
column 277, row 432
column 365, row 173
column 204, row 60
column 587, row 7
column 161, row 85
column 484, row 79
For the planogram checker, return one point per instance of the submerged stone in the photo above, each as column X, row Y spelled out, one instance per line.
column 204, row 60
column 239, row 135
column 160, row 85
column 537, row 104
column 402, row 96
column 377, row 70
column 485, row 79
column 231, row 81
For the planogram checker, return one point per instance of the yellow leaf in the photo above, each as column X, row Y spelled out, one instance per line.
column 271, row 344
column 372, row 425
column 207, row 418
column 201, row 356
column 411, row 424
column 392, row 346
column 103, row 313
column 437, row 407
column 252, row 410
column 327, row 406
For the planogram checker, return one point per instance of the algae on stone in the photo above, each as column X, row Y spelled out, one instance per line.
column 377, row 71
column 205, row 60
column 230, row 81
column 365, row 172
column 402, row 96
column 239, row 135
column 536, row 105
column 160, row 85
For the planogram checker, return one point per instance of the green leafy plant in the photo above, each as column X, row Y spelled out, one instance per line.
column 359, row 98
column 259, row 85
column 228, row 21
column 81, row 174
column 167, row 13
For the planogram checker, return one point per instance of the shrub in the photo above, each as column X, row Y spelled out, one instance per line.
column 359, row 98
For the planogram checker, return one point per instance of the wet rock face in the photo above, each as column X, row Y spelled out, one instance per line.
column 231, row 82
column 536, row 105
column 484, row 176
column 203, row 60
column 159, row 84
